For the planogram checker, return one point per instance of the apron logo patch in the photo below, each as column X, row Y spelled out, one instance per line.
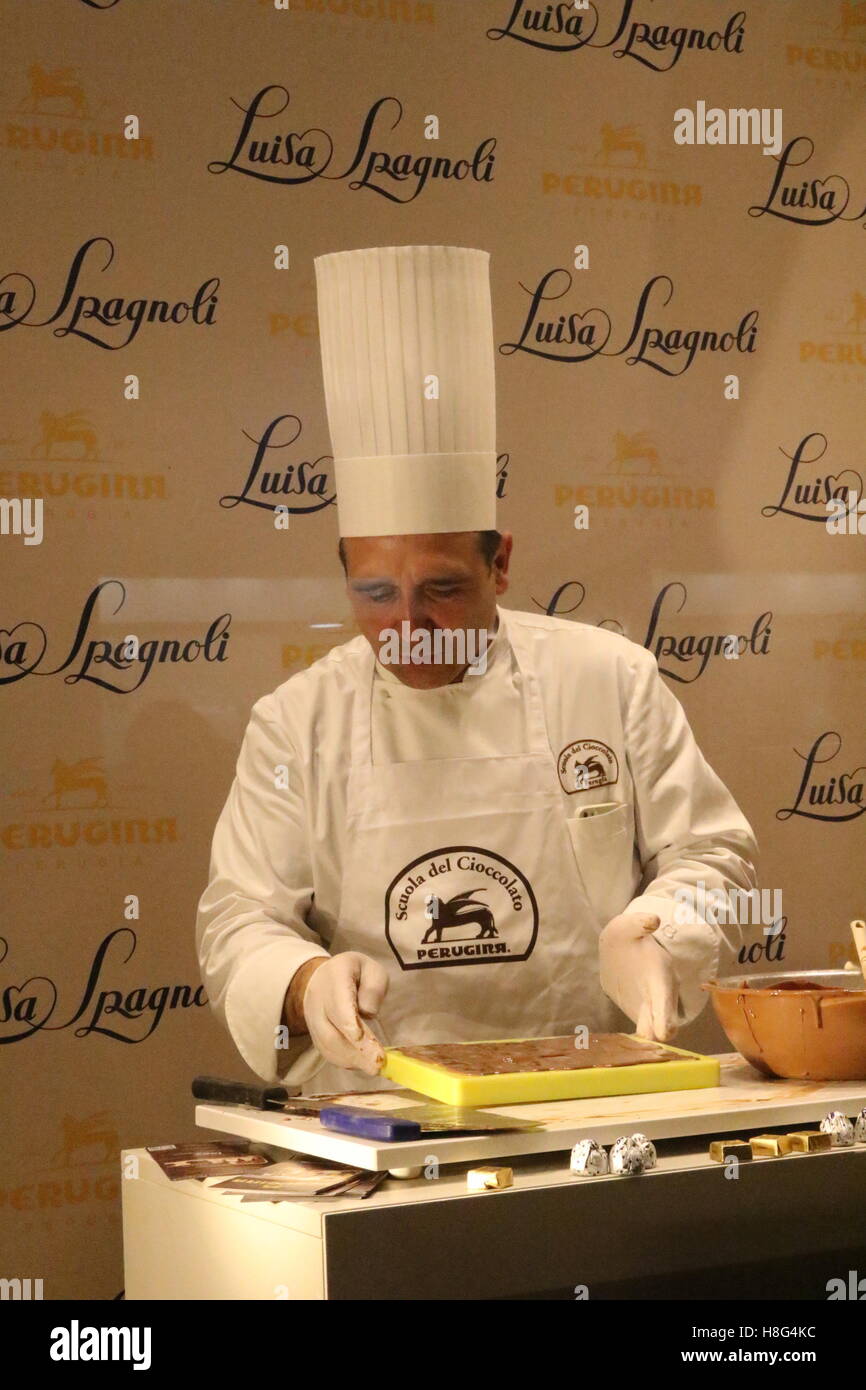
column 585, row 765
column 461, row 905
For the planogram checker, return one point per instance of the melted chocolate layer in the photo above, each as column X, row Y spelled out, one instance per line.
column 802, row 984
column 541, row 1054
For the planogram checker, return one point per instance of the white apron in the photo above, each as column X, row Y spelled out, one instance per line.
column 513, row 948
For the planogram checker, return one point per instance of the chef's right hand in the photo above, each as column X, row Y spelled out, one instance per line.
column 340, row 994
column 637, row 973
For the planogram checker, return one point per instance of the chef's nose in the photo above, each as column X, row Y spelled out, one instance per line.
column 413, row 610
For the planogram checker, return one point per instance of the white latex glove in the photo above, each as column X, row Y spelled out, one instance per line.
column 339, row 995
column 638, row 974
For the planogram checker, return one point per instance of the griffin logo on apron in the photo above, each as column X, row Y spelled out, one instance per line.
column 586, row 764
column 461, row 905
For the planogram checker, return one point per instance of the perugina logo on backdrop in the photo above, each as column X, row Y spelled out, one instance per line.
column 78, row 804
column 67, row 454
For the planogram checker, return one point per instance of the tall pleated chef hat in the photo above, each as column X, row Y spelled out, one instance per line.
column 390, row 317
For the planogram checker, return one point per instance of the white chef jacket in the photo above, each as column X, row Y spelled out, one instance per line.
column 618, row 739
column 479, row 716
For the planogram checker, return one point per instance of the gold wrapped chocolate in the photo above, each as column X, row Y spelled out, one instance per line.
column 720, row 1149
column 485, row 1179
column 766, row 1145
column 806, row 1141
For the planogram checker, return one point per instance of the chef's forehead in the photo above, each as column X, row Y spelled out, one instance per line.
column 445, row 553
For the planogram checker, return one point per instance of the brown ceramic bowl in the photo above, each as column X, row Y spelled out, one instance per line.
column 795, row 1031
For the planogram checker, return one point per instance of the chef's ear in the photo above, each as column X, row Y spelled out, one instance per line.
column 501, row 560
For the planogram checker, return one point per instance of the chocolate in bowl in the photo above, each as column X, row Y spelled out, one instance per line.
column 795, row 984
column 803, row 1025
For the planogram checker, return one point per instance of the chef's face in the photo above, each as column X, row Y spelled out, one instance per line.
column 429, row 582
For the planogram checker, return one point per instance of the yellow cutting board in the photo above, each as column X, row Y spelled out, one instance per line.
column 516, row 1088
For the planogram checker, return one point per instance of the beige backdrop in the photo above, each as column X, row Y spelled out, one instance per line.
column 113, row 777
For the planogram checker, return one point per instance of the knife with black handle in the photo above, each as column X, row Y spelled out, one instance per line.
column 216, row 1088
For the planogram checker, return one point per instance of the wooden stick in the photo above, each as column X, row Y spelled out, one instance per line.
column 858, row 931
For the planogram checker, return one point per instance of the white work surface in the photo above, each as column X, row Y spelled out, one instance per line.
column 683, row 1229
column 744, row 1101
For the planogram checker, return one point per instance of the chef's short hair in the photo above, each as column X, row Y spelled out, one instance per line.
column 488, row 544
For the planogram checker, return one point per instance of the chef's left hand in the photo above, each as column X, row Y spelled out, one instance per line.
column 638, row 974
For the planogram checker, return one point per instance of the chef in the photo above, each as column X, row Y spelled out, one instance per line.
column 428, row 843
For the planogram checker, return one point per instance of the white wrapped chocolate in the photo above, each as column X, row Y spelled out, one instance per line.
column 860, row 1128
column 588, row 1159
column 839, row 1128
column 626, row 1156
column 647, row 1148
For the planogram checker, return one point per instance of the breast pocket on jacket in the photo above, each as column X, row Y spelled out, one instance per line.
column 603, row 844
